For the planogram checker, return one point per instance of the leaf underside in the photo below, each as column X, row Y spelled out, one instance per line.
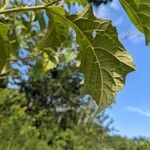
column 104, row 61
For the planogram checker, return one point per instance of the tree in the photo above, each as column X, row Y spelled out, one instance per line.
column 30, row 120
column 47, row 30
column 44, row 45
column 39, row 129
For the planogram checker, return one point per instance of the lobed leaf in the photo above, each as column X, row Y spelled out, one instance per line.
column 104, row 61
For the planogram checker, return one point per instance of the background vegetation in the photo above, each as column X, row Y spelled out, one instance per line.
column 41, row 106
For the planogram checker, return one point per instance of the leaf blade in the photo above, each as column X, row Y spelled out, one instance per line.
column 4, row 45
column 139, row 13
column 99, row 55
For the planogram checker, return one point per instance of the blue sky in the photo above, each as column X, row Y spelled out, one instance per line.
column 131, row 111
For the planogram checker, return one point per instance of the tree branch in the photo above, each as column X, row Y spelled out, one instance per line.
column 23, row 9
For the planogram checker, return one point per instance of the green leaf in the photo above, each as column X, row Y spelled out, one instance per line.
column 50, row 59
column 41, row 19
column 4, row 46
column 80, row 2
column 4, row 5
column 69, row 55
column 139, row 13
column 57, row 34
column 104, row 61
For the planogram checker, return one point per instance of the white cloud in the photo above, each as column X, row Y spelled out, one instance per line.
column 145, row 113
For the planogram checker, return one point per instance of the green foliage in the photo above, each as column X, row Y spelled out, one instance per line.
column 104, row 61
column 99, row 2
column 105, row 70
column 47, row 112
column 41, row 127
column 4, row 46
column 139, row 13
column 122, row 143
column 45, row 49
